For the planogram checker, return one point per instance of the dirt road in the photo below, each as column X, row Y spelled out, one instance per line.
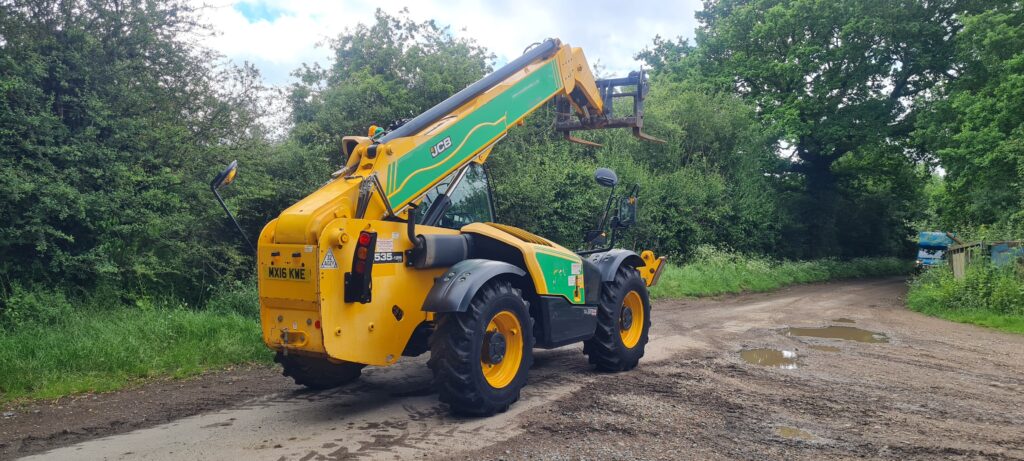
column 920, row 388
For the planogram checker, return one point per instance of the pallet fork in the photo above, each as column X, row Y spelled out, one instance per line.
column 610, row 89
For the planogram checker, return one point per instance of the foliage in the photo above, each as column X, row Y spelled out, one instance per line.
column 987, row 296
column 381, row 73
column 27, row 307
column 975, row 125
column 101, row 347
column 714, row 271
column 829, row 79
column 109, row 124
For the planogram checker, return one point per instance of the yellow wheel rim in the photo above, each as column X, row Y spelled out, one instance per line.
column 501, row 374
column 631, row 319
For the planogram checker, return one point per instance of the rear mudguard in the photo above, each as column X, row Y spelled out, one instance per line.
column 453, row 291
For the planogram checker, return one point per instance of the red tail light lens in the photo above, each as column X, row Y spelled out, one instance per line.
column 358, row 282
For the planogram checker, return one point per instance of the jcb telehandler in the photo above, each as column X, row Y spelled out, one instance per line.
column 397, row 255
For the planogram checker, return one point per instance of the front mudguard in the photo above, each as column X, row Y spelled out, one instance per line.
column 608, row 262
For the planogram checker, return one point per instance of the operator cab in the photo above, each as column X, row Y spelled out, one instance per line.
column 463, row 197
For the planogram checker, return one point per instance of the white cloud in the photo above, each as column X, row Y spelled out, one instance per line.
column 284, row 34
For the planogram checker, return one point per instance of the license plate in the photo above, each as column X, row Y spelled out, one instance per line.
column 295, row 274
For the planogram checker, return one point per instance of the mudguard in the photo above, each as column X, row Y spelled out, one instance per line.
column 453, row 291
column 609, row 261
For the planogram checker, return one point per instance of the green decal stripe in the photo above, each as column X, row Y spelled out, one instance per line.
column 417, row 169
column 556, row 269
column 573, row 257
column 391, row 170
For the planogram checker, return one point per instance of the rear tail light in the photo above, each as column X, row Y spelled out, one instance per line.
column 358, row 283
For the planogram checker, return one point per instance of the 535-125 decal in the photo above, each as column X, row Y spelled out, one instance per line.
column 388, row 257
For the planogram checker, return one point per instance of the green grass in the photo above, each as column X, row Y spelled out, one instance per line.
column 986, row 296
column 714, row 272
column 95, row 350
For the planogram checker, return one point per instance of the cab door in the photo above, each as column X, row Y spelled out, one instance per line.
column 463, row 198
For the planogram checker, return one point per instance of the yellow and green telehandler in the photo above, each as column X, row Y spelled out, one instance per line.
column 397, row 255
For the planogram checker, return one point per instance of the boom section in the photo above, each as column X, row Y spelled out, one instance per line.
column 428, row 148
column 384, row 175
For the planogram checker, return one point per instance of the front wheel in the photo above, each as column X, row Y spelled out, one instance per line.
column 623, row 321
column 480, row 358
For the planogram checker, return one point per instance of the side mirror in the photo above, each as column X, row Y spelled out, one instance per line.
column 225, row 177
column 606, row 177
column 627, row 212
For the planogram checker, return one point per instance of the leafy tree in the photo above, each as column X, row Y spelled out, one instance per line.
column 109, row 121
column 391, row 70
column 830, row 78
column 975, row 125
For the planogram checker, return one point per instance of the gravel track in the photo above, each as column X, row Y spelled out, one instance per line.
column 935, row 390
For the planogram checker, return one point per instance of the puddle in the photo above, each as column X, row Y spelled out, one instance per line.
column 770, row 358
column 793, row 433
column 825, row 348
column 843, row 320
column 850, row 333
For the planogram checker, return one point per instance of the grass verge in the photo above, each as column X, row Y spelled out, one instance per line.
column 986, row 296
column 714, row 272
column 101, row 350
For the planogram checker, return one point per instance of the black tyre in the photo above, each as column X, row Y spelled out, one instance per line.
column 480, row 358
column 623, row 321
column 318, row 373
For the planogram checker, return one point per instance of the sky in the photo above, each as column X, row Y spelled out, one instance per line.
column 279, row 35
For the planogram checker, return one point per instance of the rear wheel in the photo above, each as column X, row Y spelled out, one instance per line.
column 480, row 358
column 623, row 321
column 317, row 373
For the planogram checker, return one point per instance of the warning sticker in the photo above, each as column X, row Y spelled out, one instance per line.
column 329, row 261
column 385, row 246
column 577, row 268
column 572, row 280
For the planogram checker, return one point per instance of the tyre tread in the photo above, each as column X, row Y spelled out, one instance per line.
column 605, row 350
column 451, row 357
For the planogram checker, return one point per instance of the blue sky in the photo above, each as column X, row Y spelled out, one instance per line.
column 279, row 35
column 258, row 11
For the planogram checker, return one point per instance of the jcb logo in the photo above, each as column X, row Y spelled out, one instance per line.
column 441, row 146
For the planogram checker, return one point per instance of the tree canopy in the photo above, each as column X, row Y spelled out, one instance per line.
column 109, row 122
column 974, row 126
column 829, row 79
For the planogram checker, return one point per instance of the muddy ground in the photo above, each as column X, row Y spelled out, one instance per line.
column 930, row 390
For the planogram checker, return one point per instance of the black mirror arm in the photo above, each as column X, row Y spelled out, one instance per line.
column 617, row 219
column 607, row 210
column 213, row 188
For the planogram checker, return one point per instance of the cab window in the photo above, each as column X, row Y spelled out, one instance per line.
column 470, row 201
